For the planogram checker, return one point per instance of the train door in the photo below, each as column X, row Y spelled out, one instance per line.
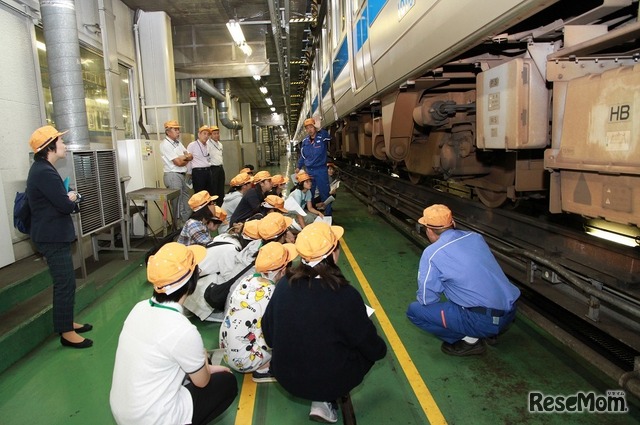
column 359, row 53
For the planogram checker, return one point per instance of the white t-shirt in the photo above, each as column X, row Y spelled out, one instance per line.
column 158, row 346
column 170, row 150
column 216, row 152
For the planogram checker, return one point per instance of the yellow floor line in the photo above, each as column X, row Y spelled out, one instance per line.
column 247, row 401
column 428, row 404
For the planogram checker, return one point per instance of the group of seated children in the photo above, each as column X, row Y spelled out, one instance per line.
column 276, row 303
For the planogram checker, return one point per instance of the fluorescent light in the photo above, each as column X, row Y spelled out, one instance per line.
column 611, row 236
column 236, row 32
column 264, row 90
column 273, row 109
column 238, row 36
column 256, row 77
column 246, row 49
column 268, row 100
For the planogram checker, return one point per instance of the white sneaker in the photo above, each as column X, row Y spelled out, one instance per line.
column 323, row 411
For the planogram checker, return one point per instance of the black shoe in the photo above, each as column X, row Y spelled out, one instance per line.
column 86, row 343
column 463, row 348
column 84, row 328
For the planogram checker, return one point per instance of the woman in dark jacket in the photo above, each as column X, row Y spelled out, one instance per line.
column 52, row 230
column 316, row 323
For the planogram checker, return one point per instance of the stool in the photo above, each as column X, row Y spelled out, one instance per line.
column 348, row 415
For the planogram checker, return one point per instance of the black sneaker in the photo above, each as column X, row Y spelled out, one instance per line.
column 491, row 340
column 262, row 377
column 463, row 348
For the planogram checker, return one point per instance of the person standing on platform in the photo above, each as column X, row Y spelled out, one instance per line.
column 313, row 156
column 159, row 348
column 176, row 158
column 480, row 300
column 217, row 170
column 200, row 167
column 52, row 230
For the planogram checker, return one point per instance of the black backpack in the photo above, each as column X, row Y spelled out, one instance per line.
column 216, row 294
column 22, row 213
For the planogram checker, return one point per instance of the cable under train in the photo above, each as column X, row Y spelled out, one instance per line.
column 513, row 99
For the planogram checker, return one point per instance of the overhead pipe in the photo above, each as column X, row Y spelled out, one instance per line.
column 65, row 70
column 218, row 93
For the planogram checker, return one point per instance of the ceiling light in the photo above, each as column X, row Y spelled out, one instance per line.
column 256, row 77
column 263, row 90
column 238, row 36
column 273, row 109
column 268, row 100
column 41, row 46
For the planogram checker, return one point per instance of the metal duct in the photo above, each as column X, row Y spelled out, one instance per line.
column 65, row 70
column 218, row 93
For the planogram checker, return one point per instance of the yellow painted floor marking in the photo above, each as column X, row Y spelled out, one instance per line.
column 428, row 404
column 247, row 401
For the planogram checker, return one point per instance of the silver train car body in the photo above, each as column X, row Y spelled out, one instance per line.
column 512, row 98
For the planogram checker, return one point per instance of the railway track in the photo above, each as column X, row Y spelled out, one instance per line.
column 584, row 291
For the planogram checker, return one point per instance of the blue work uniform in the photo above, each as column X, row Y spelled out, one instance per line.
column 313, row 155
column 480, row 300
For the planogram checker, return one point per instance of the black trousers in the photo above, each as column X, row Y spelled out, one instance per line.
column 218, row 179
column 211, row 401
column 202, row 180
column 60, row 262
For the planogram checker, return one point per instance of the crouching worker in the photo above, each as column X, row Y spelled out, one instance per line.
column 322, row 338
column 459, row 264
column 158, row 347
column 241, row 331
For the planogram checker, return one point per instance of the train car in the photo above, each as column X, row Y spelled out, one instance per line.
column 518, row 100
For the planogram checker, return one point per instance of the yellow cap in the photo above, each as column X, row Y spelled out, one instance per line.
column 274, row 256
column 43, row 136
column 302, row 176
column 260, row 176
column 250, row 229
column 309, row 121
column 171, row 124
column 240, row 179
column 274, row 201
column 200, row 199
column 172, row 266
column 214, row 128
column 273, row 225
column 204, row 128
column 219, row 214
column 436, row 216
column 279, row 179
column 317, row 240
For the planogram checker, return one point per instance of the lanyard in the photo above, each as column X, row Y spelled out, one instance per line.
column 155, row 304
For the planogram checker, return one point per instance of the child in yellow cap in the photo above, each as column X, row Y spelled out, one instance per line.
column 240, row 333
column 323, row 340
column 158, row 347
column 206, row 218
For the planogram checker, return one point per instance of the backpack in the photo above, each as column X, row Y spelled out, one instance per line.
column 22, row 213
column 216, row 294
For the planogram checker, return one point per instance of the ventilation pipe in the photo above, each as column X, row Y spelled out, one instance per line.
column 218, row 93
column 65, row 70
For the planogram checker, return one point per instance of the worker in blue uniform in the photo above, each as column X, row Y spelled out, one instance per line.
column 480, row 300
column 313, row 156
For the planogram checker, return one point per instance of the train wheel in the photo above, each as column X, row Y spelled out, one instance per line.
column 490, row 198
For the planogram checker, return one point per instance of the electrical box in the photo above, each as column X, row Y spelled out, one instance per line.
column 512, row 107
